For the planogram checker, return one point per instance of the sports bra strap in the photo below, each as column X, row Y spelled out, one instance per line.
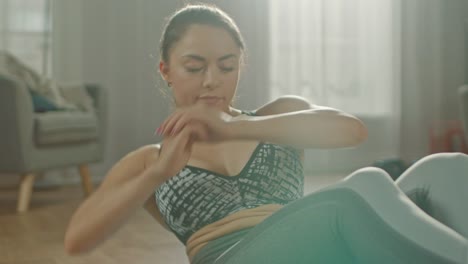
column 249, row 113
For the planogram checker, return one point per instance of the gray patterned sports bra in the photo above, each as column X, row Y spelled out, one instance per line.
column 196, row 197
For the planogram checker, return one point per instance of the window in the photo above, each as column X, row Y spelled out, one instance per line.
column 25, row 31
column 339, row 53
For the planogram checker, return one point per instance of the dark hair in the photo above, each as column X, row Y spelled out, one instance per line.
column 196, row 14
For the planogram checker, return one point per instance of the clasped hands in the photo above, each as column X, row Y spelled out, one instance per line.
column 213, row 124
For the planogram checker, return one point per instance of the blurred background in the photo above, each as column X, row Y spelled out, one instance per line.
column 394, row 64
column 397, row 65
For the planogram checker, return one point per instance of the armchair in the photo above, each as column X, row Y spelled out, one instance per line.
column 33, row 142
column 463, row 95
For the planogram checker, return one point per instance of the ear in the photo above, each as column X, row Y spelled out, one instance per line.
column 164, row 70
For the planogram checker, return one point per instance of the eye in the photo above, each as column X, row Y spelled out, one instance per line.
column 193, row 70
column 227, row 69
column 227, row 65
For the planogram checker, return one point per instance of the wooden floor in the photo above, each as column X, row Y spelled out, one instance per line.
column 36, row 237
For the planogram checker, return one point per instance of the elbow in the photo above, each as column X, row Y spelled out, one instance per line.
column 71, row 250
column 73, row 246
column 350, row 131
column 359, row 132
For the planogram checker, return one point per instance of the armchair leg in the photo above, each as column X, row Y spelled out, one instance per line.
column 86, row 179
column 25, row 191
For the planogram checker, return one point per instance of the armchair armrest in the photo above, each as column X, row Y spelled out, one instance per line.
column 100, row 99
column 99, row 95
column 87, row 97
column 16, row 121
column 463, row 94
column 90, row 97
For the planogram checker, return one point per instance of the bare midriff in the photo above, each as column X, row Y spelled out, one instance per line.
column 234, row 222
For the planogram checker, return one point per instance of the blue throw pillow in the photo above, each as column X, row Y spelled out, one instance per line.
column 41, row 103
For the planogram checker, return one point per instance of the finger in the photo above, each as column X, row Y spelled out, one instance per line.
column 163, row 125
column 179, row 125
column 199, row 131
column 190, row 136
column 189, row 117
column 167, row 125
column 187, row 135
column 176, row 124
column 181, row 140
column 169, row 119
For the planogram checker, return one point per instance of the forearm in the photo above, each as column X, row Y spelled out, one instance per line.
column 106, row 210
column 316, row 128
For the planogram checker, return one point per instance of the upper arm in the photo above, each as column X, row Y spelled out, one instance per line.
column 150, row 205
column 152, row 208
column 285, row 104
column 352, row 130
column 131, row 166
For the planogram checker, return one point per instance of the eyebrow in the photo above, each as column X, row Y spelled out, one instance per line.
column 200, row 58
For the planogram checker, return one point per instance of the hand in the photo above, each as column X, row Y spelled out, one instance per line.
column 215, row 122
column 175, row 150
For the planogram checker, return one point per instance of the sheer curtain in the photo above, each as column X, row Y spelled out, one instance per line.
column 338, row 53
column 25, row 31
column 68, row 41
column 45, row 34
column 343, row 54
column 433, row 69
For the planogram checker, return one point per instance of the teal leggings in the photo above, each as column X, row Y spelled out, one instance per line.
column 365, row 218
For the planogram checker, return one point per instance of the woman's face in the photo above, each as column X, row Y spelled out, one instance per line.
column 203, row 67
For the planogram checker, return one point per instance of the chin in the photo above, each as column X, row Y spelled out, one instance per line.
column 218, row 105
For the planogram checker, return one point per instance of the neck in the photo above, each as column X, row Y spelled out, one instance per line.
column 234, row 112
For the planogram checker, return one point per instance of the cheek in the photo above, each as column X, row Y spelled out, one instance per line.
column 235, row 76
column 185, row 82
column 232, row 80
column 184, row 88
column 183, row 91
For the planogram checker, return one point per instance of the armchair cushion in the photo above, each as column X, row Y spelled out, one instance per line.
column 78, row 95
column 63, row 127
column 63, row 98
column 41, row 103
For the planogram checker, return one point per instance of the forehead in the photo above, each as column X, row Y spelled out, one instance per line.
column 206, row 41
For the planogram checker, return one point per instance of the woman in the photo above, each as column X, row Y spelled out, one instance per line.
column 229, row 183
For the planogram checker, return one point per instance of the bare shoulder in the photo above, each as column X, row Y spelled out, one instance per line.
column 142, row 154
column 284, row 104
column 150, row 153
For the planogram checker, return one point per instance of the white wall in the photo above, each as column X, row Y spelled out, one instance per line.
column 433, row 69
column 67, row 41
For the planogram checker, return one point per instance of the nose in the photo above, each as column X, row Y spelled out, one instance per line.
column 212, row 78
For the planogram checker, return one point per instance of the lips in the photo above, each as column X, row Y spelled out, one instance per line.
column 210, row 99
